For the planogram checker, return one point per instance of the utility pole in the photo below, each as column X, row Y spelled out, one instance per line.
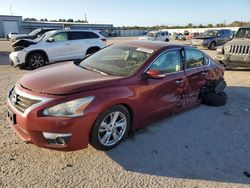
column 11, row 13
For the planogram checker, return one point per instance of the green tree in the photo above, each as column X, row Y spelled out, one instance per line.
column 209, row 25
column 70, row 20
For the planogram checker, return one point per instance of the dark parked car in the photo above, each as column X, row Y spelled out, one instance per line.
column 118, row 89
column 236, row 53
column 212, row 38
column 32, row 35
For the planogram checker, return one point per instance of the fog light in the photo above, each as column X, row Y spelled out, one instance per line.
column 57, row 138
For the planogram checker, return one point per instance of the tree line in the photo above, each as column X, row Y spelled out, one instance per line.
column 156, row 27
column 190, row 25
column 59, row 20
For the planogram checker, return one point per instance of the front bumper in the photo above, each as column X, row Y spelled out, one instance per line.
column 200, row 44
column 234, row 59
column 17, row 58
column 47, row 131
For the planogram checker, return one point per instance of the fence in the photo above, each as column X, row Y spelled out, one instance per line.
column 128, row 33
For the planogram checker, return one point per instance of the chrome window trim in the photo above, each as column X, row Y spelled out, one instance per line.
column 27, row 95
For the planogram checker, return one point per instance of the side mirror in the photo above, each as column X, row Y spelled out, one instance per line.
column 153, row 73
column 50, row 39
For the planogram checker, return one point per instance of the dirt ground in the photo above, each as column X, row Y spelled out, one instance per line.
column 202, row 147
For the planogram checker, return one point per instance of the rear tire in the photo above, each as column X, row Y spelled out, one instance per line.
column 213, row 99
column 36, row 60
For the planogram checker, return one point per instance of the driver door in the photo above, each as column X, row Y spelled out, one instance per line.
column 164, row 95
column 60, row 48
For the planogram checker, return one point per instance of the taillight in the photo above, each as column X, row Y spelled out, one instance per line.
column 104, row 40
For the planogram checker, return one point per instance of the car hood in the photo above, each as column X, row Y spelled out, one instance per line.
column 24, row 43
column 21, row 36
column 203, row 37
column 66, row 78
column 239, row 41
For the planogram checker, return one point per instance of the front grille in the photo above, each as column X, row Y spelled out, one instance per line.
column 240, row 49
column 21, row 103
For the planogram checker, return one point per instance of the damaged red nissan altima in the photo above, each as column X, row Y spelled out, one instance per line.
column 118, row 89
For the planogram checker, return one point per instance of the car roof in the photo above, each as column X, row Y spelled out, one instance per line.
column 74, row 30
column 152, row 45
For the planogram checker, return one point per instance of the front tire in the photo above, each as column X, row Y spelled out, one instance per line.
column 110, row 128
column 92, row 51
column 212, row 46
column 36, row 60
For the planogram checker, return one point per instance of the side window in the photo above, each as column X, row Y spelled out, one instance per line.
column 193, row 58
column 221, row 33
column 59, row 37
column 163, row 34
column 75, row 35
column 90, row 35
column 168, row 62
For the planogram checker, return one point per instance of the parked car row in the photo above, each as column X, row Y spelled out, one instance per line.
column 212, row 38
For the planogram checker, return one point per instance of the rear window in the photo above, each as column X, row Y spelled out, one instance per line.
column 193, row 59
column 76, row 35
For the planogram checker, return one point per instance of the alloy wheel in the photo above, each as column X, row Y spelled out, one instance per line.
column 112, row 128
column 37, row 61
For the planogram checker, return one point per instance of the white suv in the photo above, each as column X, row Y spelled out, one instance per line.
column 54, row 46
column 161, row 35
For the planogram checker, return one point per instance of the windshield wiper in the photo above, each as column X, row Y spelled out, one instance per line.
column 94, row 70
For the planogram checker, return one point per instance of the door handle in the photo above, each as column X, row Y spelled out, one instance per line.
column 179, row 81
column 204, row 73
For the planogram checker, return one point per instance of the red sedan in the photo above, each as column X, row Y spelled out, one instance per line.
column 118, row 89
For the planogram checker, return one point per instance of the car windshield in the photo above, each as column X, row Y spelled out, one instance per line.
column 210, row 33
column 117, row 60
column 243, row 33
column 34, row 32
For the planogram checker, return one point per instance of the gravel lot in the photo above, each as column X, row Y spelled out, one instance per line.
column 202, row 147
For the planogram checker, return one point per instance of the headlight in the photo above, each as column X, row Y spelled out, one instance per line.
column 227, row 47
column 74, row 108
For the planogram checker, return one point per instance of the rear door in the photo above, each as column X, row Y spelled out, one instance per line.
column 196, row 71
column 60, row 48
column 81, row 41
column 220, row 38
column 164, row 95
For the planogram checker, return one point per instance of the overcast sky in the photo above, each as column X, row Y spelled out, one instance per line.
column 133, row 12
